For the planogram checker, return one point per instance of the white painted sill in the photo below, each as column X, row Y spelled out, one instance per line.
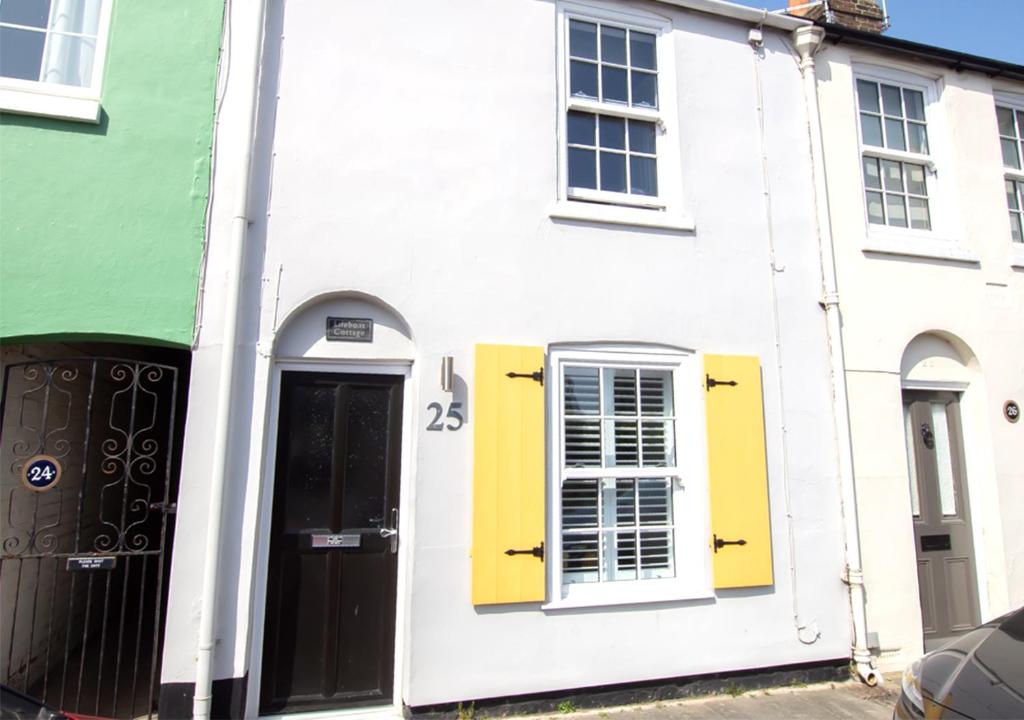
column 48, row 103
column 620, row 215
column 918, row 244
column 1017, row 256
column 636, row 592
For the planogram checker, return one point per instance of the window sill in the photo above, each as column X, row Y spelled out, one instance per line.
column 626, row 593
column 1017, row 256
column 49, row 104
column 919, row 244
column 619, row 215
column 1012, row 174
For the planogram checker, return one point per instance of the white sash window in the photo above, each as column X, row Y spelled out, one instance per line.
column 630, row 499
column 1010, row 119
column 618, row 144
column 51, row 56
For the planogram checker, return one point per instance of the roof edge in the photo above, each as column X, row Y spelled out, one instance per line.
column 751, row 15
column 953, row 59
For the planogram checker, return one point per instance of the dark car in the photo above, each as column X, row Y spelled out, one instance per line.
column 979, row 676
column 16, row 706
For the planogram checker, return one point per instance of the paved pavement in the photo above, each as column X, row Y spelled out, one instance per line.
column 843, row 701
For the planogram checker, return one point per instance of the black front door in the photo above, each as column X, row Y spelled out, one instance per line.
column 329, row 633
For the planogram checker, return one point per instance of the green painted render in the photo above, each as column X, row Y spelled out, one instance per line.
column 102, row 226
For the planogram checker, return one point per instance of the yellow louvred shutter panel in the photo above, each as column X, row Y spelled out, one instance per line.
column 740, row 523
column 508, row 475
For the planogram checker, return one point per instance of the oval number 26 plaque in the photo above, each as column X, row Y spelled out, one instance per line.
column 41, row 473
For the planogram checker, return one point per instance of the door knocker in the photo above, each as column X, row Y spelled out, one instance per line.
column 927, row 436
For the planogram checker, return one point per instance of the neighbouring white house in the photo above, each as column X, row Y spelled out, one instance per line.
column 921, row 159
column 515, row 359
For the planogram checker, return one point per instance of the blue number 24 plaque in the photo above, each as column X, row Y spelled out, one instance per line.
column 41, row 473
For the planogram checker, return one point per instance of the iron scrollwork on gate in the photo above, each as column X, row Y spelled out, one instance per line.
column 81, row 634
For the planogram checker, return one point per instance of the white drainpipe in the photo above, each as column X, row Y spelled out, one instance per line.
column 807, row 41
column 247, row 83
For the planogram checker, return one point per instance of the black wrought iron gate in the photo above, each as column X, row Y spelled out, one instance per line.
column 87, row 450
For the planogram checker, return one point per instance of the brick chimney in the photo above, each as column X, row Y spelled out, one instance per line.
column 855, row 14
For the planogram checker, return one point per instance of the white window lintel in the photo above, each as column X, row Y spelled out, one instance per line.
column 613, row 13
column 893, row 75
column 1010, row 99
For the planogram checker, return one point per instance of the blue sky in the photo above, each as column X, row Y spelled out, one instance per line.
column 990, row 28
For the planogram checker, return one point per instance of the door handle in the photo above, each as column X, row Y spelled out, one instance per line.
column 392, row 532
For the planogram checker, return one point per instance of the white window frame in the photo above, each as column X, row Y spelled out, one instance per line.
column 67, row 102
column 664, row 210
column 937, row 242
column 1014, row 102
column 691, row 508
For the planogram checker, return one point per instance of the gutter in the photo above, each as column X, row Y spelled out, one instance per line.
column 952, row 59
column 807, row 41
column 248, row 84
column 741, row 12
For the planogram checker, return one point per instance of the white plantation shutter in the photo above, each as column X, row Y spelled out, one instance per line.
column 615, row 525
column 636, row 427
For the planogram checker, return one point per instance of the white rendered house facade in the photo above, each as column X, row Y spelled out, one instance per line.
column 921, row 150
column 550, row 273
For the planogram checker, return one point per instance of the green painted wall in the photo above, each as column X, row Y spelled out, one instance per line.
column 101, row 226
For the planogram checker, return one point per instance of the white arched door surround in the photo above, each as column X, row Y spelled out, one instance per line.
column 301, row 349
column 302, row 337
column 938, row 365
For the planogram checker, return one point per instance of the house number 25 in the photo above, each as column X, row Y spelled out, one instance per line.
column 455, row 418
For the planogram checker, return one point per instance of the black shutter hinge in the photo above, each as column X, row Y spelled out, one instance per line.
column 720, row 543
column 537, row 552
column 535, row 376
column 711, row 382
column 169, row 508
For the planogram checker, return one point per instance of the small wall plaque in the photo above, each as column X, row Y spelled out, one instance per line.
column 341, row 329
column 92, row 562
column 1011, row 411
column 41, row 473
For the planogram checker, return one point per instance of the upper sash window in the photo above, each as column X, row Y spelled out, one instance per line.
column 895, row 154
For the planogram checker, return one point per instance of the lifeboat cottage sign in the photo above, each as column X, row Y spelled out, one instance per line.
column 341, row 329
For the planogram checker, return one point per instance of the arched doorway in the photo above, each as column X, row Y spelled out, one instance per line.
column 336, row 449
column 936, row 371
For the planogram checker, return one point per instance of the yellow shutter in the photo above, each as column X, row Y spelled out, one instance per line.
column 508, row 475
column 738, row 472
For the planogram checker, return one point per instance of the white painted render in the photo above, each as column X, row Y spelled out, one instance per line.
column 959, row 291
column 406, row 161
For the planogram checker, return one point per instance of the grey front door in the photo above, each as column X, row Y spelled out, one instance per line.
column 946, row 573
